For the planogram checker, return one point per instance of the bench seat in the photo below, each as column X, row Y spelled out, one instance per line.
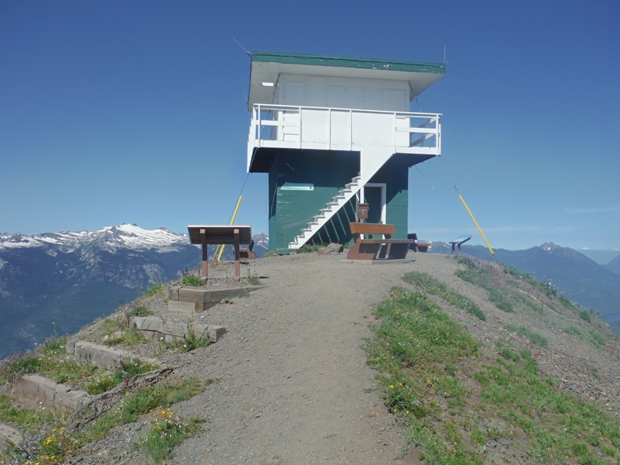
column 376, row 249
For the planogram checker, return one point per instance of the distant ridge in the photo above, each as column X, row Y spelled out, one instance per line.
column 576, row 276
column 614, row 265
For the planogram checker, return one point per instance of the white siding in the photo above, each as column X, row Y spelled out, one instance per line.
column 336, row 92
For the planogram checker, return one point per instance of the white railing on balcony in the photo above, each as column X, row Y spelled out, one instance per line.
column 287, row 126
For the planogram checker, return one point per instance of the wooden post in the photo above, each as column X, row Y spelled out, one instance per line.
column 205, row 255
column 237, row 263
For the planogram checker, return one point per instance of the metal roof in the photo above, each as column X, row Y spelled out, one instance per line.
column 267, row 66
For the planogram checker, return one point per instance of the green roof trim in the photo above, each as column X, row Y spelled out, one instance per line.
column 360, row 63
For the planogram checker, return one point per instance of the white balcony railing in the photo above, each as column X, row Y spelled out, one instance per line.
column 320, row 128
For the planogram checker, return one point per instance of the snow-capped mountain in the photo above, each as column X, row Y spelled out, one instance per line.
column 59, row 282
column 111, row 238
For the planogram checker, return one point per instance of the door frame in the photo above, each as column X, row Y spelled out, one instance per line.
column 383, row 187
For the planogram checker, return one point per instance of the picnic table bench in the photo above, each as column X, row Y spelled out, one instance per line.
column 367, row 248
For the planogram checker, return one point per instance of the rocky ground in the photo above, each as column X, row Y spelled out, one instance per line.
column 293, row 384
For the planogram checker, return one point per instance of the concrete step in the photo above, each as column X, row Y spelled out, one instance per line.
column 195, row 300
column 9, row 437
column 158, row 329
column 36, row 392
column 103, row 356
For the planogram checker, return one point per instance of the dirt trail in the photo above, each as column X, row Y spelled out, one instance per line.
column 294, row 386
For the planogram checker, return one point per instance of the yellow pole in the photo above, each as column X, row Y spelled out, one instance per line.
column 220, row 248
column 476, row 223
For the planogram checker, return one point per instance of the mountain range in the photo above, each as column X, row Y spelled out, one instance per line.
column 55, row 283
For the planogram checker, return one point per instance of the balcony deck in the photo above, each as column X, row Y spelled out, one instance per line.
column 345, row 129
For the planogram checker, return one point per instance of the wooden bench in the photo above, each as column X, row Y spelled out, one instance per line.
column 418, row 245
column 376, row 249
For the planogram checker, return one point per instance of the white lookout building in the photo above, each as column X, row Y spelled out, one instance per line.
column 333, row 132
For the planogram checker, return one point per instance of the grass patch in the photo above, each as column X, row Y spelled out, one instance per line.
column 586, row 335
column 153, row 289
column 190, row 342
column 460, row 406
column 49, row 360
column 48, row 441
column 115, row 332
column 166, row 432
column 161, row 395
column 106, row 380
column 435, row 287
column 485, row 277
column 532, row 336
column 253, row 281
column 308, row 248
column 140, row 310
column 25, row 418
column 191, row 280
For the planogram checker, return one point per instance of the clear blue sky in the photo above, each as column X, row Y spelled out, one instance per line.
column 134, row 111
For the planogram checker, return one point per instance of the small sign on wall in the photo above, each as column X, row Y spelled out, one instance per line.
column 295, row 186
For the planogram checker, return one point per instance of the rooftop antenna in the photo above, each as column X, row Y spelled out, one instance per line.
column 242, row 47
column 444, row 54
column 245, row 97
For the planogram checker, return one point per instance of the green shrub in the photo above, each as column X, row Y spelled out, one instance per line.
column 584, row 315
column 139, row 311
column 190, row 342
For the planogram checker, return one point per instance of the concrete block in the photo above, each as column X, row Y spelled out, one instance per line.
column 104, row 356
column 188, row 294
column 99, row 355
column 9, row 436
column 35, row 391
column 188, row 308
column 211, row 297
column 70, row 344
column 173, row 293
column 215, row 332
column 170, row 331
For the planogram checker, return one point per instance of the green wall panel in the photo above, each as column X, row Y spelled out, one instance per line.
column 291, row 207
column 302, row 182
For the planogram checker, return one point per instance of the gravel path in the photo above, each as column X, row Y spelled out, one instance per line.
column 295, row 388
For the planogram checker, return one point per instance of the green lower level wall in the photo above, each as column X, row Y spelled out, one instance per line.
column 301, row 183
